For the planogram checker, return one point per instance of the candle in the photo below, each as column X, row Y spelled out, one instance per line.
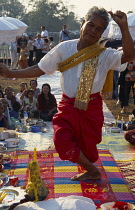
column 35, row 154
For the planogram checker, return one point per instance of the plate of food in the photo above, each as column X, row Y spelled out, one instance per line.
column 118, row 205
column 11, row 195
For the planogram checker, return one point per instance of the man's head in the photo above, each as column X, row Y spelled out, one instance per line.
column 42, row 28
column 64, row 27
column 96, row 21
column 38, row 36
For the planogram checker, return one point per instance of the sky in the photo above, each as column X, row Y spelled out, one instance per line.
column 82, row 6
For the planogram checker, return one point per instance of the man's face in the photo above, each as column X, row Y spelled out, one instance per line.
column 92, row 30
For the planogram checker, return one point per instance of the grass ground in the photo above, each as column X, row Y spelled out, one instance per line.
column 111, row 104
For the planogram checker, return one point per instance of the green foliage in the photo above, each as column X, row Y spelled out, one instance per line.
column 51, row 15
column 12, row 8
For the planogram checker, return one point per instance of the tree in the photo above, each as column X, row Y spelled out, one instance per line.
column 51, row 15
column 13, row 8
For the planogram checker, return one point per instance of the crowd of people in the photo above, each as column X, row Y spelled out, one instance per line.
column 27, row 51
column 37, row 103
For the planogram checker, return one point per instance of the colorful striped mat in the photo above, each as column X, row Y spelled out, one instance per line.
column 57, row 173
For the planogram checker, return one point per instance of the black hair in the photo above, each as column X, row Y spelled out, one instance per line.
column 30, row 36
column 51, row 38
column 46, row 40
column 49, row 94
column 2, row 93
column 32, row 81
column 133, row 112
column 29, row 91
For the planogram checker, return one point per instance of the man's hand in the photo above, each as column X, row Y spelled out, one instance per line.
column 4, row 71
column 119, row 17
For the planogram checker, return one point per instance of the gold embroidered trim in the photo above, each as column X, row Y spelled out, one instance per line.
column 80, row 56
column 85, row 84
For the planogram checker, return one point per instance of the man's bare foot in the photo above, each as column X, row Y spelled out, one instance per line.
column 85, row 176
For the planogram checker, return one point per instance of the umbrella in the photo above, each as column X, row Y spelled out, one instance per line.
column 21, row 25
column 10, row 28
column 7, row 31
column 115, row 32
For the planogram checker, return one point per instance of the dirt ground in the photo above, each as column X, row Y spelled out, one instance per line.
column 111, row 104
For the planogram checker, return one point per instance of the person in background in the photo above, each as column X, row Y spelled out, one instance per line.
column 1, row 94
column 21, row 40
column 30, row 47
column 13, row 54
column 126, row 82
column 38, row 43
column 45, row 47
column 47, row 104
column 23, row 92
column 23, row 59
column 78, row 123
column 6, row 110
column 13, row 103
column 44, row 33
column 33, row 85
column 3, row 118
column 51, row 43
column 64, row 34
column 30, row 104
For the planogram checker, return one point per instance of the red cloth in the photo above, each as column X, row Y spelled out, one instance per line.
column 76, row 130
column 46, row 105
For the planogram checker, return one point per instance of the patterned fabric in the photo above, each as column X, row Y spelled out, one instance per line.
column 57, row 173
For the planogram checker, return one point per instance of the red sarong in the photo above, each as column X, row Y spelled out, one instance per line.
column 76, row 130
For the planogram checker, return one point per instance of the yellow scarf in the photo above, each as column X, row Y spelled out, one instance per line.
column 90, row 56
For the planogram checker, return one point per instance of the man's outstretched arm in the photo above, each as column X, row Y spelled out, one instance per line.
column 33, row 71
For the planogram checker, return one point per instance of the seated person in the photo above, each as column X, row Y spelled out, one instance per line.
column 30, row 104
column 6, row 109
column 23, row 91
column 33, row 85
column 3, row 118
column 47, row 104
column 13, row 103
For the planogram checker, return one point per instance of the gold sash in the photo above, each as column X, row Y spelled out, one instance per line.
column 90, row 56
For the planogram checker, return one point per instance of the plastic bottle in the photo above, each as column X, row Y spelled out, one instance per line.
column 122, row 124
column 25, row 116
column 118, row 122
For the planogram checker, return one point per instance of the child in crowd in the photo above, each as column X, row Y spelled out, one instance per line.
column 6, row 109
column 23, row 59
column 33, row 85
column 3, row 118
column 30, row 104
column 23, row 92
column 45, row 47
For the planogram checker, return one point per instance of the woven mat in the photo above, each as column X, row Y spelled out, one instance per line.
column 117, row 145
column 57, row 173
column 128, row 171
